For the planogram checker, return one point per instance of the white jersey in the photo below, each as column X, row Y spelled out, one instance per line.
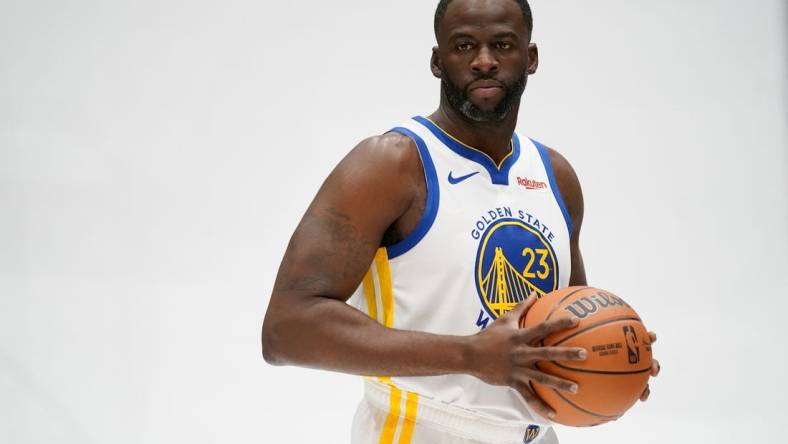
column 490, row 237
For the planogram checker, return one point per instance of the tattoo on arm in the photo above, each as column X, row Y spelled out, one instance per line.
column 326, row 254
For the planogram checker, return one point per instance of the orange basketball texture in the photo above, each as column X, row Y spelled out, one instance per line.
column 618, row 364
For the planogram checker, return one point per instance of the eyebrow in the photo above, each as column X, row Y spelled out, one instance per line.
column 461, row 34
column 510, row 34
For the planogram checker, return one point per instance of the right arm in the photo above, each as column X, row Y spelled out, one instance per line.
column 309, row 324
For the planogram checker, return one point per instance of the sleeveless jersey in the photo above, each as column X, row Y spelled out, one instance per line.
column 490, row 236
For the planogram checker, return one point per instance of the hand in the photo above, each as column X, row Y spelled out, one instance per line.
column 655, row 368
column 505, row 354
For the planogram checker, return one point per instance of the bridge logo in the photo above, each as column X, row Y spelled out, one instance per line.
column 514, row 261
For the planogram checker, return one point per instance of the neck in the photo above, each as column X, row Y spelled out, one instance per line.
column 493, row 138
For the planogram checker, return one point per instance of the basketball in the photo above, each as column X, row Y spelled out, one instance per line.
column 618, row 364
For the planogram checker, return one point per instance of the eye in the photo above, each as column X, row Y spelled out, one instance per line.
column 503, row 45
column 464, row 46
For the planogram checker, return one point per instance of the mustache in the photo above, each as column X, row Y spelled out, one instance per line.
column 486, row 78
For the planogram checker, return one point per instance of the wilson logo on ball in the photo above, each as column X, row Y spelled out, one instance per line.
column 588, row 305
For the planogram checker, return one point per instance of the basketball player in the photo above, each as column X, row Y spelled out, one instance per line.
column 440, row 233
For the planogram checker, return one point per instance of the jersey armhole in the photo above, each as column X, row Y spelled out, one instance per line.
column 433, row 198
column 548, row 166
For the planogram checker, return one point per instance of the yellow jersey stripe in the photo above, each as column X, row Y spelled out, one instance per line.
column 386, row 290
column 395, row 398
column 371, row 298
column 411, row 405
column 386, row 295
column 369, row 295
column 387, row 303
column 390, row 426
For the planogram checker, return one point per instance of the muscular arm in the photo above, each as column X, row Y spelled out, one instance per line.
column 308, row 322
column 570, row 189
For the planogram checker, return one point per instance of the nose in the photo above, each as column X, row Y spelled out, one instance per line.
column 485, row 62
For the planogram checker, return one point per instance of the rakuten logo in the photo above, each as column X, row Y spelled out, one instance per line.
column 531, row 184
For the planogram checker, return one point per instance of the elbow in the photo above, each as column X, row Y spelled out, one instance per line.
column 282, row 337
column 270, row 342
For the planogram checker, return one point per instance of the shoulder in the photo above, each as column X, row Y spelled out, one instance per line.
column 388, row 154
column 392, row 147
column 380, row 170
column 568, row 185
column 563, row 169
column 391, row 159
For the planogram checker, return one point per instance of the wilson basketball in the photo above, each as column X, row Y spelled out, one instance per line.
column 618, row 364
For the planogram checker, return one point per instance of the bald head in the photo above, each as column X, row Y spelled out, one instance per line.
column 443, row 5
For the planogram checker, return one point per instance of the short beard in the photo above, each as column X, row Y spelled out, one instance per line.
column 458, row 99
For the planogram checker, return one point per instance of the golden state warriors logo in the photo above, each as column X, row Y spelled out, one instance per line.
column 514, row 261
column 531, row 433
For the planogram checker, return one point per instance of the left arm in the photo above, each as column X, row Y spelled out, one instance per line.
column 569, row 186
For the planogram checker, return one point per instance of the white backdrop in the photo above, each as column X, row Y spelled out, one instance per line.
column 155, row 157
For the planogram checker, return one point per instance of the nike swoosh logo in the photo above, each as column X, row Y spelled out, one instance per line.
column 456, row 180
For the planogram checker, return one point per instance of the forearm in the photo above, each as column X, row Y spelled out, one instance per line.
column 328, row 334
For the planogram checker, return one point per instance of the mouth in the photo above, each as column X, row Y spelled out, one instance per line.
column 486, row 91
column 485, row 85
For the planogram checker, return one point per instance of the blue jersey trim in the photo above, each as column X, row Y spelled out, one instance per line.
column 499, row 174
column 433, row 199
column 548, row 166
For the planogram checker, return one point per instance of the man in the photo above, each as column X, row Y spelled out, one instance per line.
column 464, row 223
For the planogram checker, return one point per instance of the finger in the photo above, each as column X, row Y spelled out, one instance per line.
column 551, row 381
column 533, row 354
column 534, row 401
column 655, row 367
column 652, row 336
column 542, row 329
column 516, row 314
column 645, row 394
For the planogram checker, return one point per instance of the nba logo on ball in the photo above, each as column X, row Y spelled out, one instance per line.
column 633, row 351
column 531, row 433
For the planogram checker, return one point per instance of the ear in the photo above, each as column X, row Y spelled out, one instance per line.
column 435, row 63
column 533, row 58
